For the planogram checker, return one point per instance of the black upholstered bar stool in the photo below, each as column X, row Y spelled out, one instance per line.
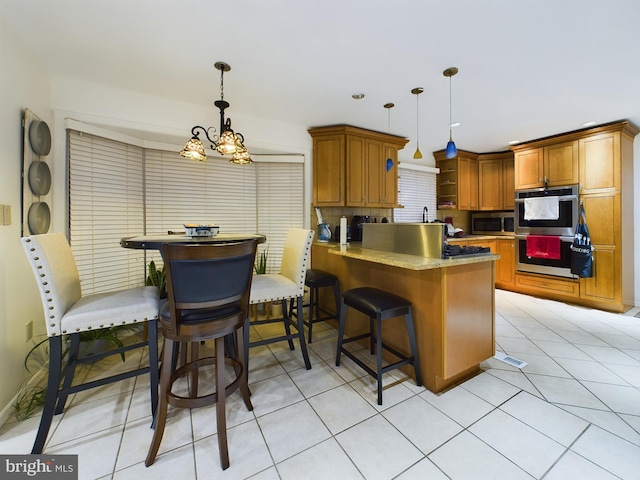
column 378, row 305
column 314, row 280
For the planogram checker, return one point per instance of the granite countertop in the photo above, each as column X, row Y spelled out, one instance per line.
column 402, row 260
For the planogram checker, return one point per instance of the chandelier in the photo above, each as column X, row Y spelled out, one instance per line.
column 228, row 142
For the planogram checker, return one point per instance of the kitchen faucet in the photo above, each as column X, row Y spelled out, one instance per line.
column 425, row 215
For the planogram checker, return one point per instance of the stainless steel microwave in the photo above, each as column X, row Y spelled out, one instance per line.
column 492, row 223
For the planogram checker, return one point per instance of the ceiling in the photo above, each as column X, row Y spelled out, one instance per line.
column 527, row 68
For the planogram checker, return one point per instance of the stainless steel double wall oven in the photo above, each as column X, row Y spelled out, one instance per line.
column 562, row 227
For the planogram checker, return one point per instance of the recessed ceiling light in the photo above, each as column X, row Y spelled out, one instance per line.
column 357, row 96
column 454, row 124
column 514, row 142
column 588, row 124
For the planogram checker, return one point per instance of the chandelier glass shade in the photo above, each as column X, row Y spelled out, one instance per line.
column 227, row 143
column 194, row 150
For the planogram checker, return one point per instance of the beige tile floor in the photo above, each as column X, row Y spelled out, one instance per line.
column 572, row 413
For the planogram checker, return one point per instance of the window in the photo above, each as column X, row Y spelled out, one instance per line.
column 105, row 204
column 118, row 190
column 417, row 189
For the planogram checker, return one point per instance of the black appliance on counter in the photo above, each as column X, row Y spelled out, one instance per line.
column 356, row 227
column 336, row 233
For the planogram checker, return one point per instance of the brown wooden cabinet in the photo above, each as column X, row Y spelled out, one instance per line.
column 329, row 181
column 506, row 265
column 606, row 191
column 457, row 182
column 554, row 165
column 600, row 159
column 508, row 181
column 600, row 163
column 350, row 167
column 495, row 181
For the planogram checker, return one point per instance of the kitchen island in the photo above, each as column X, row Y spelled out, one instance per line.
column 453, row 305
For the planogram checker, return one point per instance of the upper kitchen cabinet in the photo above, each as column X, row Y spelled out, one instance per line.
column 354, row 167
column 328, row 179
column 552, row 165
column 457, row 182
column 600, row 162
column 495, row 181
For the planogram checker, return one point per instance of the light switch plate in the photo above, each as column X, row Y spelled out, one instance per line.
column 7, row 215
column 1, row 214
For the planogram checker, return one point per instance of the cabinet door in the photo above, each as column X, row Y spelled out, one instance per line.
column 390, row 176
column 467, row 183
column 328, row 171
column 490, row 189
column 373, row 178
column 356, row 171
column 528, row 168
column 508, row 184
column 605, row 283
column 600, row 163
column 561, row 164
column 603, row 219
column 505, row 267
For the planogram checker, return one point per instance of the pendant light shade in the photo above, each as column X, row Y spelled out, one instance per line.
column 417, row 91
column 451, row 151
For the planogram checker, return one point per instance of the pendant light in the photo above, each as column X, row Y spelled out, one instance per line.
column 451, row 151
column 389, row 106
column 417, row 91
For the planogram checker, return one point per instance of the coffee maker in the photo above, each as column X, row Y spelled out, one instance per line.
column 356, row 227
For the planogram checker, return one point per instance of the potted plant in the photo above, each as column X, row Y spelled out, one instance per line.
column 157, row 278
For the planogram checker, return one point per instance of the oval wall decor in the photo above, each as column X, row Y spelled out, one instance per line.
column 39, row 177
column 40, row 137
column 39, row 218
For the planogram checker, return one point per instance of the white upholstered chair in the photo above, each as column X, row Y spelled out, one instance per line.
column 68, row 313
column 288, row 284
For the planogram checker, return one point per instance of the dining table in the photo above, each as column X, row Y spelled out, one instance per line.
column 154, row 242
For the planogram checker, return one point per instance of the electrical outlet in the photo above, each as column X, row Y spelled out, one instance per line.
column 28, row 331
column 7, row 214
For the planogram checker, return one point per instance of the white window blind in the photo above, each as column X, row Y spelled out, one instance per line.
column 118, row 190
column 105, row 204
column 417, row 189
column 280, row 206
column 179, row 191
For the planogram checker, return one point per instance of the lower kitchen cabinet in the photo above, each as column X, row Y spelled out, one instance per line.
column 506, row 265
column 547, row 286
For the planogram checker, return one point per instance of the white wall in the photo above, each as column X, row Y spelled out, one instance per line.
column 23, row 84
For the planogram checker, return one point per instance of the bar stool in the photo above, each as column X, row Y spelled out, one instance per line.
column 378, row 305
column 314, row 280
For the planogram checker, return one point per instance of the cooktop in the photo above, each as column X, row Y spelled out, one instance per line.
column 458, row 250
